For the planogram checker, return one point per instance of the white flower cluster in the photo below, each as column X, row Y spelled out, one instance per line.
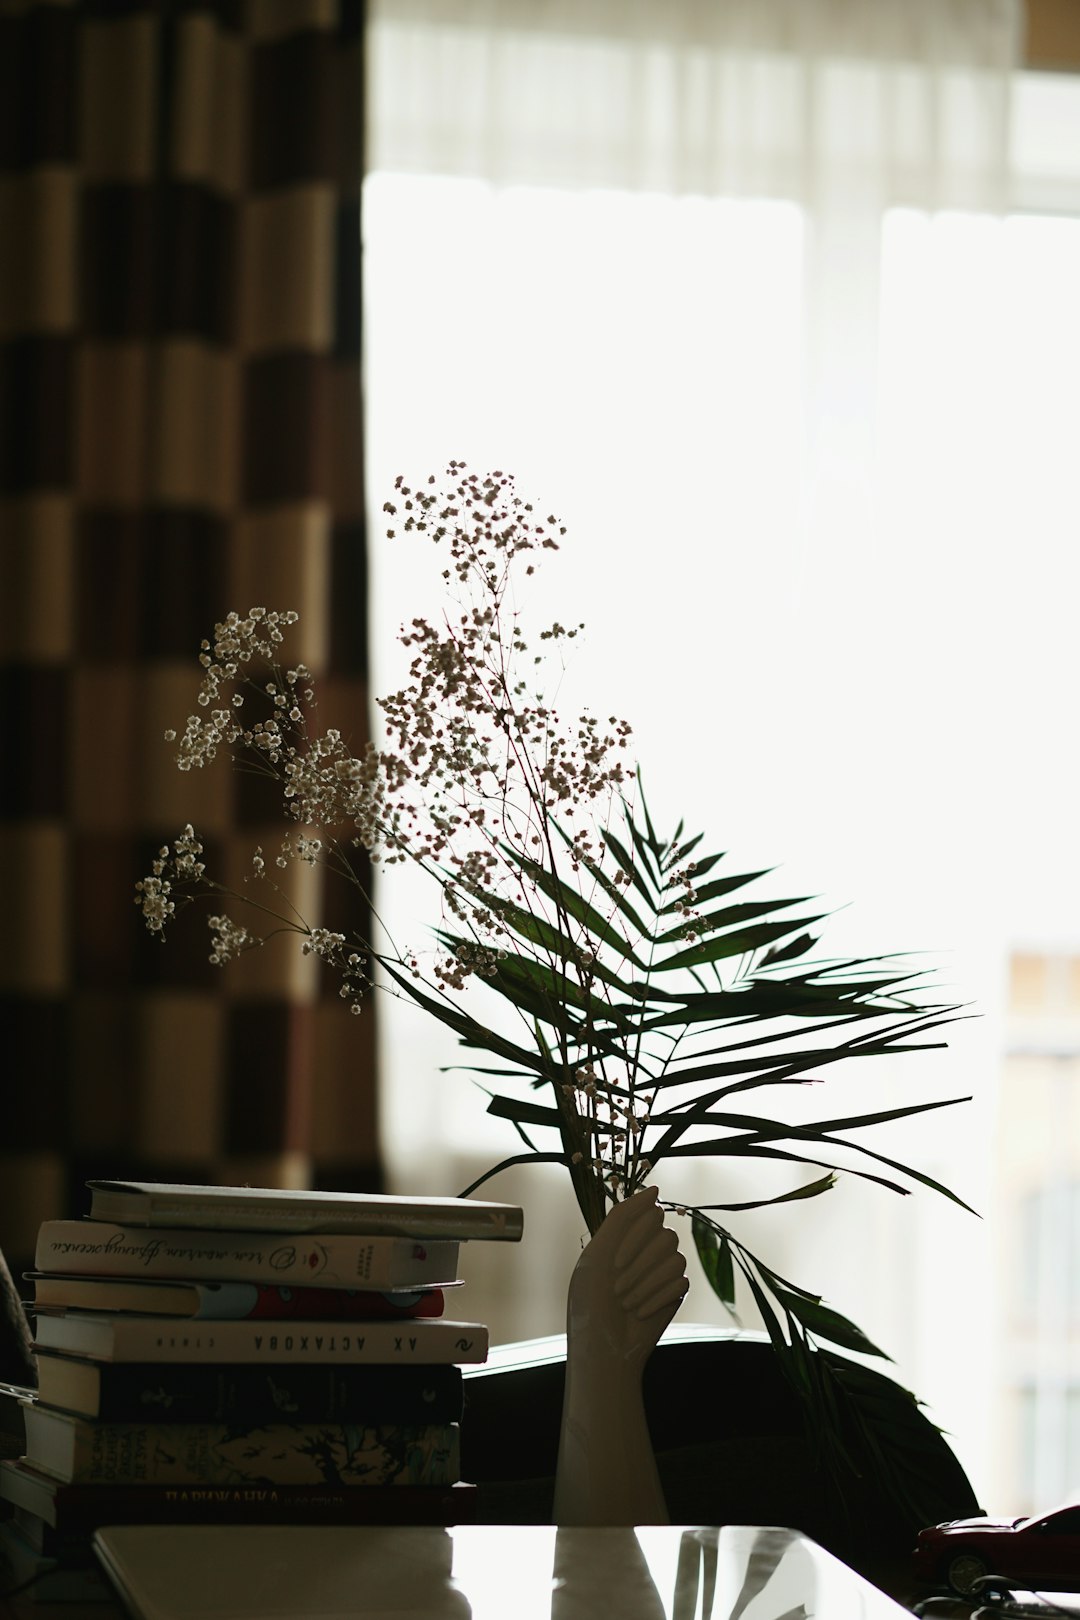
column 321, row 942
column 182, row 864
column 355, row 980
column 452, row 971
column 478, row 768
column 238, row 641
column 228, row 939
column 152, row 894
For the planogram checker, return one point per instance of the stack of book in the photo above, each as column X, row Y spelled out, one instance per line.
column 242, row 1355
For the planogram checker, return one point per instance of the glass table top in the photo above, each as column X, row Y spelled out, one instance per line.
column 482, row 1572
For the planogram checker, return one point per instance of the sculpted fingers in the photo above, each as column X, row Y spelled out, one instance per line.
column 665, row 1297
column 659, row 1268
column 628, row 1282
column 632, row 1223
column 658, row 1256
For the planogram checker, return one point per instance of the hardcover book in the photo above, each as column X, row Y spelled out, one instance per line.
column 231, row 1301
column 52, row 1514
column 101, row 1248
column 79, row 1451
column 274, row 1209
column 290, row 1392
column 164, row 1338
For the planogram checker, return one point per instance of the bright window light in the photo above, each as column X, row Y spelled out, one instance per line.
column 887, row 712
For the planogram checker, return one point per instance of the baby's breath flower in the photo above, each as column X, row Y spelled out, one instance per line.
column 229, row 939
column 478, row 775
column 321, row 942
column 152, row 894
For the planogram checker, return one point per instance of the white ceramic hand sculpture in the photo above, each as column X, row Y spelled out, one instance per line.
column 626, row 1287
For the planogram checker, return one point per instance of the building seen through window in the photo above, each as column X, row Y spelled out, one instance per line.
column 1038, row 1179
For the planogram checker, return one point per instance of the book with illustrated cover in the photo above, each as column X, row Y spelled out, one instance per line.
column 274, row 1209
column 78, row 1450
column 102, row 1248
column 231, row 1301
column 290, row 1392
column 51, row 1514
column 164, row 1338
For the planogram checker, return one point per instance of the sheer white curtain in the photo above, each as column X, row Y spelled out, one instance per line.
column 649, row 282
column 845, row 107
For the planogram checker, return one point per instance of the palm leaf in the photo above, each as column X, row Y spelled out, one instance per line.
column 787, row 1349
column 522, row 1112
column 789, row 952
column 554, row 998
column 744, row 912
column 760, row 1000
column 527, row 925
column 657, row 850
column 732, row 1148
column 714, row 1252
column 517, row 1124
column 614, row 891
column 576, row 906
column 906, row 1455
column 740, row 943
column 783, row 1066
column 717, row 888
column 629, row 866
column 470, row 1032
column 810, row 1189
column 508, row 1164
column 891, row 1047
column 683, row 851
column 700, row 1113
column 822, row 1321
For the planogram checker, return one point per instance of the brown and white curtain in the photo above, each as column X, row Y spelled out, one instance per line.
column 180, row 435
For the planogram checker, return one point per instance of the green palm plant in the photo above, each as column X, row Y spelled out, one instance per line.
column 626, row 990
column 641, row 1033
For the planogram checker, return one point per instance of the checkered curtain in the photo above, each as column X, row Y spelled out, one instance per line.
column 179, row 436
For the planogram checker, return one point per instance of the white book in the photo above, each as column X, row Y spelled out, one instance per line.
column 162, row 1338
column 103, row 1249
column 277, row 1209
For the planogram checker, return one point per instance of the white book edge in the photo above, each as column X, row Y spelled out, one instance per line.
column 326, row 1260
column 143, row 1203
column 420, row 1341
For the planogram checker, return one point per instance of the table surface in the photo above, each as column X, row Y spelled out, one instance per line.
column 472, row 1572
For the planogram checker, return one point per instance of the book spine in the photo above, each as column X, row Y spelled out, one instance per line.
column 80, row 1509
column 173, row 1392
column 262, row 1302
column 220, row 1454
column 98, row 1248
column 234, row 1301
column 165, row 1339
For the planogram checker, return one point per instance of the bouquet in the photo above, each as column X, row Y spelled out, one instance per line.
column 623, row 996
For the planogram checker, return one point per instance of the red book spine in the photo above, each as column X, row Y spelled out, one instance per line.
column 333, row 1304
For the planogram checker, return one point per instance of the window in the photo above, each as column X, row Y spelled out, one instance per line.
column 884, row 703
